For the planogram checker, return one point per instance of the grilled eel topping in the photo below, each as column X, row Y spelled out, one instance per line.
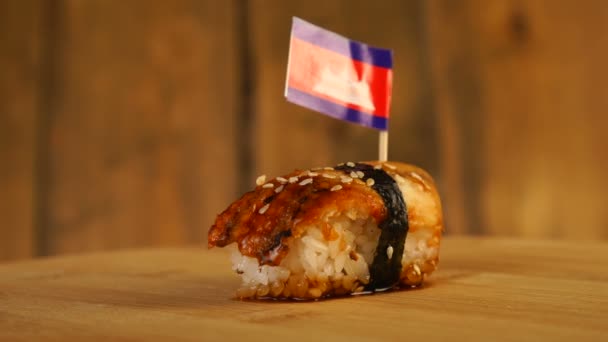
column 263, row 221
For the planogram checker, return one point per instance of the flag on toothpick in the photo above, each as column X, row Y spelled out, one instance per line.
column 339, row 77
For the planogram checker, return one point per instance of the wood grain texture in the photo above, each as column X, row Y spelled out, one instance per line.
column 522, row 121
column 133, row 123
column 20, row 64
column 486, row 289
column 143, row 126
column 287, row 136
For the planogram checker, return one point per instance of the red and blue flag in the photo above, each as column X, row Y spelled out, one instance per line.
column 339, row 77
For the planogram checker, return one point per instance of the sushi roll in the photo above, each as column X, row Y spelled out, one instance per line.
column 351, row 229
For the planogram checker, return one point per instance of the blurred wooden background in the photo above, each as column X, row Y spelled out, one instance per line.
column 132, row 123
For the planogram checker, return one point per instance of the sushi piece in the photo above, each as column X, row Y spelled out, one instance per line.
column 355, row 228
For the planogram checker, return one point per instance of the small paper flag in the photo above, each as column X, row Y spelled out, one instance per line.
column 339, row 77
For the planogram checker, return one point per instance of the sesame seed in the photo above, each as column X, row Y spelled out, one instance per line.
column 327, row 175
column 346, row 179
column 336, row 188
column 312, row 174
column 417, row 268
column 264, row 208
column 279, row 188
column 328, row 168
column 293, row 179
column 360, row 174
column 268, row 186
column 340, row 164
column 378, row 167
column 399, row 178
column 389, row 252
column 306, row 181
column 282, row 180
column 370, row 182
column 392, row 167
column 351, row 164
column 417, row 176
column 260, row 180
column 353, row 174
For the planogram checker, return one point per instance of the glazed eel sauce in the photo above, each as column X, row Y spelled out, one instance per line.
column 384, row 271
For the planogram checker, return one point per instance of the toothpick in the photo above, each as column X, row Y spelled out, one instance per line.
column 383, row 146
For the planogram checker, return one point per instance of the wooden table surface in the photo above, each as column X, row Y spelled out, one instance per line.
column 492, row 289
